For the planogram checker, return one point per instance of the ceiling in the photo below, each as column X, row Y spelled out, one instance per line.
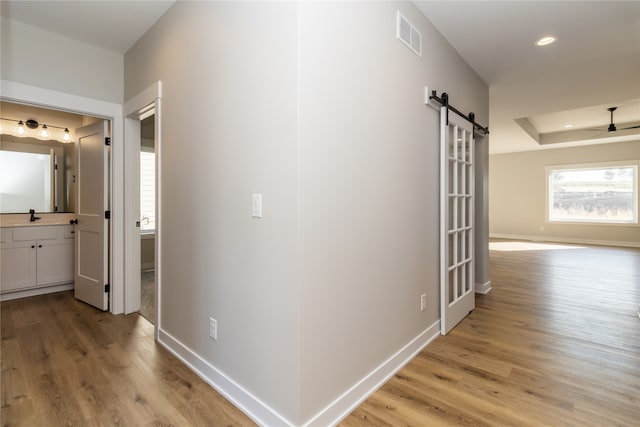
column 594, row 64
column 112, row 25
column 534, row 91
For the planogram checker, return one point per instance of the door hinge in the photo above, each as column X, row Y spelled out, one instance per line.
column 107, row 140
column 107, row 288
column 107, row 214
column 55, row 167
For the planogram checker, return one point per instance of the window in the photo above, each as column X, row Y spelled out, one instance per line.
column 147, row 191
column 602, row 193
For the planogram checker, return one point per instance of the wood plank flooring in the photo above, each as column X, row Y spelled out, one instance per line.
column 555, row 343
column 67, row 364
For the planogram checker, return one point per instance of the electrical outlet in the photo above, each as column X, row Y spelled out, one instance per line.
column 213, row 328
column 423, row 302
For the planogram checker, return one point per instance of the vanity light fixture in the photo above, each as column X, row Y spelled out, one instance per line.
column 25, row 125
column 546, row 41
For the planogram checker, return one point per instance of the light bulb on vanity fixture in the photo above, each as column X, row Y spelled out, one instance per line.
column 31, row 127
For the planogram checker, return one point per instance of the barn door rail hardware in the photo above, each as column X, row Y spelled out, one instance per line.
column 443, row 100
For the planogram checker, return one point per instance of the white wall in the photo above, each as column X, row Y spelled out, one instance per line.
column 35, row 57
column 229, row 129
column 517, row 188
column 369, row 187
column 318, row 107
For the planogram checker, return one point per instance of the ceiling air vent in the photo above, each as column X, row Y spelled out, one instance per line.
column 409, row 35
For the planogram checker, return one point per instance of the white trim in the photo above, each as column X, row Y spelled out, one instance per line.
column 332, row 414
column 139, row 104
column 35, row 291
column 566, row 240
column 142, row 105
column 483, row 288
column 18, row 92
column 340, row 408
column 244, row 400
column 549, row 169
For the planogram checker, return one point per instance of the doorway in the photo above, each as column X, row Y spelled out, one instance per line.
column 73, row 187
column 147, row 217
column 142, row 106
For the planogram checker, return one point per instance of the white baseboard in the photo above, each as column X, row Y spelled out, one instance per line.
column 264, row 415
column 566, row 240
column 484, row 288
column 359, row 392
column 35, row 291
column 253, row 407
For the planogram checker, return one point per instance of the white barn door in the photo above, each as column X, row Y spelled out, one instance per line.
column 457, row 297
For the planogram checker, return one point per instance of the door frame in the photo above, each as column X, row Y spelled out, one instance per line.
column 134, row 110
column 52, row 99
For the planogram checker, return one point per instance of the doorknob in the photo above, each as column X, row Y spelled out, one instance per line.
column 73, row 221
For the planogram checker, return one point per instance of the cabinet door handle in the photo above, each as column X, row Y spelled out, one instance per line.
column 73, row 221
column 39, row 246
column 33, row 246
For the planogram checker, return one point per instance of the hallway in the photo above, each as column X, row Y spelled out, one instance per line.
column 556, row 342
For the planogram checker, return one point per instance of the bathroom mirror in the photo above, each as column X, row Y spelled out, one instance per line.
column 36, row 174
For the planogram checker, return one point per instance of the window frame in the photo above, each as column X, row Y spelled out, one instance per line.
column 635, row 164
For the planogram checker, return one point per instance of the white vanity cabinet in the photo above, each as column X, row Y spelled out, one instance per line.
column 35, row 257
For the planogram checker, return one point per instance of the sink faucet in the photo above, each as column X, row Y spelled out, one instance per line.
column 33, row 215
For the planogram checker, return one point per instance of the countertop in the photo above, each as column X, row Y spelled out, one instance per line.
column 22, row 220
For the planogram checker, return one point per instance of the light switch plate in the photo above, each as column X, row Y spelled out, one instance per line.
column 256, row 205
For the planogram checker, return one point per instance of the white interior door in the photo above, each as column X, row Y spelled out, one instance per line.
column 91, row 234
column 456, row 219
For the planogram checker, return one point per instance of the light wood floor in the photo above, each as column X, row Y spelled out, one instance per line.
column 67, row 364
column 556, row 343
column 147, row 295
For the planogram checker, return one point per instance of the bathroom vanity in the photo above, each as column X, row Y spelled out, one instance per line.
column 36, row 258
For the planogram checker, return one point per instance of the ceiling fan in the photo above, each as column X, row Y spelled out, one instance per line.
column 612, row 126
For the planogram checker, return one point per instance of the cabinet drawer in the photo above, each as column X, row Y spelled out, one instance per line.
column 69, row 232
column 34, row 233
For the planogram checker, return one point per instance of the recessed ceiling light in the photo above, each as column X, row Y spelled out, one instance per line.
column 545, row 41
column 568, row 126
